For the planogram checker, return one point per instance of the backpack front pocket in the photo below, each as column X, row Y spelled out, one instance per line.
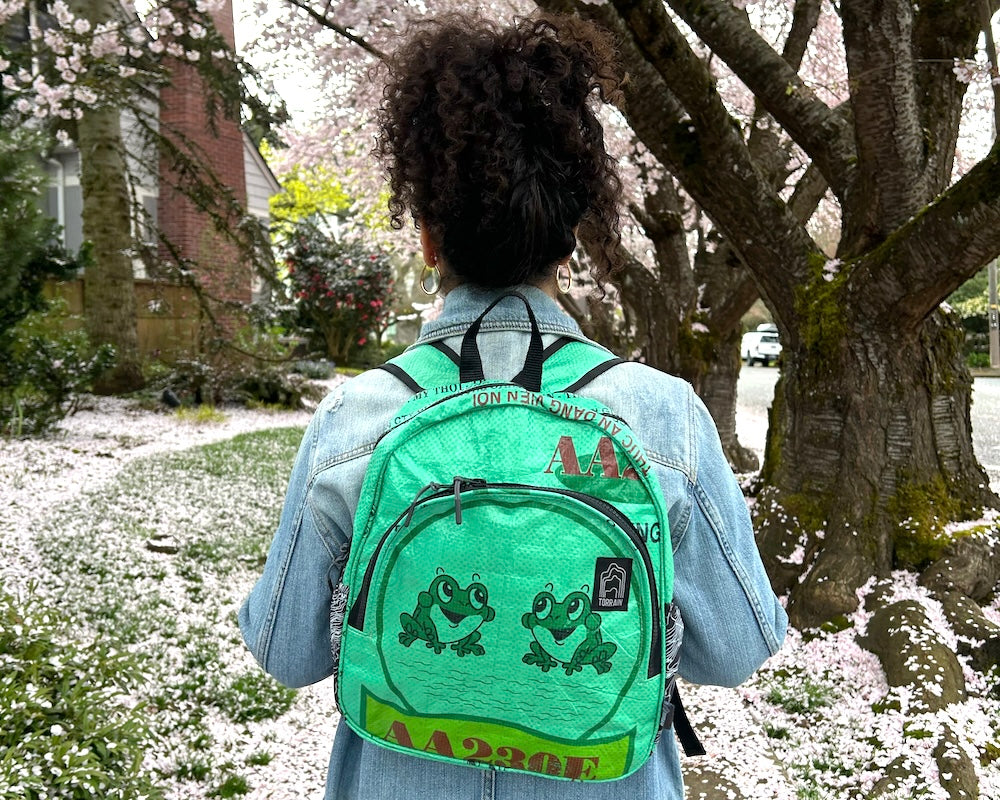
column 508, row 625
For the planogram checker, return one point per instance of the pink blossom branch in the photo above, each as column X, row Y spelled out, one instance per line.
column 326, row 22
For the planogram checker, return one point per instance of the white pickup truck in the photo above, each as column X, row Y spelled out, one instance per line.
column 761, row 346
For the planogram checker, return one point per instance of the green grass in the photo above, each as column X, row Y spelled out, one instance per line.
column 232, row 786
column 200, row 415
column 259, row 759
column 252, row 697
column 220, row 504
column 800, row 696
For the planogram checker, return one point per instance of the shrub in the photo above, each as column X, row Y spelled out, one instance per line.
column 342, row 290
column 978, row 360
column 249, row 369
column 44, row 372
column 68, row 727
column 314, row 370
column 39, row 372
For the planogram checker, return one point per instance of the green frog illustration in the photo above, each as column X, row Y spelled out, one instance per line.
column 566, row 633
column 448, row 614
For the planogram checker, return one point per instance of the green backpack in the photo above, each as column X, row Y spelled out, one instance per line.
column 510, row 573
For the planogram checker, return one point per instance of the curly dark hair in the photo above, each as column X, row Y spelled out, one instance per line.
column 491, row 143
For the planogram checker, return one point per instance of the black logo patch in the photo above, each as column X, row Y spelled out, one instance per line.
column 612, row 579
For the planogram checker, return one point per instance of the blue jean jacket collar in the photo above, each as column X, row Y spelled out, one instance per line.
column 465, row 303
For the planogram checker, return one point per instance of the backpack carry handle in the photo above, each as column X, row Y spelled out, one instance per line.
column 471, row 363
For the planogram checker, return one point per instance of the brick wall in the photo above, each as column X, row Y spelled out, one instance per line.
column 182, row 114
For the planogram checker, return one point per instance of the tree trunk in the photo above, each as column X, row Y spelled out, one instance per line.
column 869, row 449
column 718, row 390
column 875, row 460
column 674, row 332
column 709, row 358
column 109, row 303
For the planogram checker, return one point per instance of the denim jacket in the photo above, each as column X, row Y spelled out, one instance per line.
column 732, row 620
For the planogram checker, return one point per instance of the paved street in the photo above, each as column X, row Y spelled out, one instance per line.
column 756, row 388
column 986, row 426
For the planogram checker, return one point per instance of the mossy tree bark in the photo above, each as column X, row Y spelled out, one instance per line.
column 870, row 436
column 109, row 308
column 109, row 301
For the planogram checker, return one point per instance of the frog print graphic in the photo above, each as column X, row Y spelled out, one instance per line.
column 446, row 614
column 567, row 634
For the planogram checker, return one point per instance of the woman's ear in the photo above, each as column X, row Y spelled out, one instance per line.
column 428, row 248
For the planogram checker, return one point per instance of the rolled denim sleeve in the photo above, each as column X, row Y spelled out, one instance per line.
column 285, row 621
column 732, row 620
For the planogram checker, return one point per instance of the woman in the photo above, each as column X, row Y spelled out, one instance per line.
column 493, row 147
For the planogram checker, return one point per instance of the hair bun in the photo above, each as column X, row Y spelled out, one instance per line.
column 492, row 144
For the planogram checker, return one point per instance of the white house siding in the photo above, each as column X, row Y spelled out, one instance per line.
column 261, row 183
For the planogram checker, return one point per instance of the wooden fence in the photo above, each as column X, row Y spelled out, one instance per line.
column 168, row 317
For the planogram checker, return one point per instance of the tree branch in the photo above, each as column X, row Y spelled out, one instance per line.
column 893, row 181
column 939, row 249
column 340, row 30
column 807, row 194
column 741, row 294
column 672, row 106
column 823, row 134
column 805, row 18
column 940, row 33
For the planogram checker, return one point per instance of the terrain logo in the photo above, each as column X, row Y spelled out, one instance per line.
column 612, row 579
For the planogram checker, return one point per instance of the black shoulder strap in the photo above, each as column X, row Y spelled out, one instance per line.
column 557, row 344
column 402, row 375
column 587, row 377
column 682, row 727
column 440, row 345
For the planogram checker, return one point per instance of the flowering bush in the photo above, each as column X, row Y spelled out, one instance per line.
column 67, row 726
column 341, row 290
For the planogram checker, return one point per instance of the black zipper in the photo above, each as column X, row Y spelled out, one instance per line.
column 357, row 614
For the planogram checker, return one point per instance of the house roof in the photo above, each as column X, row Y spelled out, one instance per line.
column 251, row 149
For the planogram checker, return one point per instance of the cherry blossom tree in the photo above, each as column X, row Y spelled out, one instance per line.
column 667, row 322
column 869, row 451
column 870, row 438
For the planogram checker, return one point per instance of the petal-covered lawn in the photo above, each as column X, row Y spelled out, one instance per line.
column 146, row 530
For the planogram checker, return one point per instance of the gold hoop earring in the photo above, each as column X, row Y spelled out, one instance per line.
column 430, row 280
column 564, row 278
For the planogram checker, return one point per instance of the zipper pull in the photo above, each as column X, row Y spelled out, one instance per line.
column 459, row 485
column 430, row 487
